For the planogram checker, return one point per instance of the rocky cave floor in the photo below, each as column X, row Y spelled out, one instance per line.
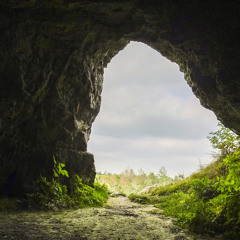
column 119, row 219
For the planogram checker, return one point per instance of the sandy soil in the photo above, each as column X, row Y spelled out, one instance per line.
column 119, row 219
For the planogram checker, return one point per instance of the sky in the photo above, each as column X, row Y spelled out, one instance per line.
column 149, row 117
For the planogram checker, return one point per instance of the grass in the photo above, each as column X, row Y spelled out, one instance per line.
column 207, row 202
column 53, row 195
column 211, row 171
column 50, row 197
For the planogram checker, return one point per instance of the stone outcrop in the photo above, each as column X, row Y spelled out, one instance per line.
column 53, row 55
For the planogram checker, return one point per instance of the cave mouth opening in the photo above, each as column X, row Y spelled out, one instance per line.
column 149, row 117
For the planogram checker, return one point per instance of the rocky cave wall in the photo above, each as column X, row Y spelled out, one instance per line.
column 53, row 55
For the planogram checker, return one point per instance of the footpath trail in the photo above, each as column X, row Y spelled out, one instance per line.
column 120, row 219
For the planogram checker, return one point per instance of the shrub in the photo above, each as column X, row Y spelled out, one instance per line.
column 55, row 195
column 229, row 186
column 86, row 196
column 143, row 199
column 224, row 140
column 208, row 201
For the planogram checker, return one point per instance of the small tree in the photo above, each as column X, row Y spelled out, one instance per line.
column 225, row 140
column 162, row 172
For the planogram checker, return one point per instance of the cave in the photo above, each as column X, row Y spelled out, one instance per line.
column 53, row 55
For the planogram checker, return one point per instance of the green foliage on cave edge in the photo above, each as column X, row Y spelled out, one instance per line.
column 54, row 194
column 207, row 202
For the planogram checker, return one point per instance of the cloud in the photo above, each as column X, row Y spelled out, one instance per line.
column 149, row 114
column 149, row 153
column 167, row 117
column 151, row 146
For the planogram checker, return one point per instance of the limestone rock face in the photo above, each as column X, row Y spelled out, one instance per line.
column 53, row 55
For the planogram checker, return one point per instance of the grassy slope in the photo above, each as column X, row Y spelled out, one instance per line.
column 206, row 202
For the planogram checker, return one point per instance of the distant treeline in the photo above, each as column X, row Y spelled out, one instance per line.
column 130, row 182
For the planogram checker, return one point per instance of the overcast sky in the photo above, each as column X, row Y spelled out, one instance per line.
column 149, row 117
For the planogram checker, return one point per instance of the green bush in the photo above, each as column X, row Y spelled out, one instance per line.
column 143, row 199
column 50, row 194
column 229, row 186
column 201, row 204
column 207, row 201
column 224, row 140
column 55, row 195
column 171, row 188
column 86, row 196
column 203, row 188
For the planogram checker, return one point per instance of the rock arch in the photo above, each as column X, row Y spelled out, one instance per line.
column 53, row 55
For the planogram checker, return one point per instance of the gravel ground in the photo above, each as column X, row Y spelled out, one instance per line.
column 119, row 219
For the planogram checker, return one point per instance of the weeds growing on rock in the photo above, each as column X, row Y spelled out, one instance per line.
column 54, row 194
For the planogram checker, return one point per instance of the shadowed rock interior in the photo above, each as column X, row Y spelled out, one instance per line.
column 53, row 55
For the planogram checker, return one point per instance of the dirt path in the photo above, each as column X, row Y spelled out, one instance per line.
column 119, row 219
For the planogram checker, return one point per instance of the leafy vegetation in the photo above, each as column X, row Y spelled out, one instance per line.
column 207, row 201
column 129, row 182
column 224, row 140
column 54, row 194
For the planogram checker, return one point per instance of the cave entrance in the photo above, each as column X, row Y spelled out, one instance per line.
column 149, row 117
